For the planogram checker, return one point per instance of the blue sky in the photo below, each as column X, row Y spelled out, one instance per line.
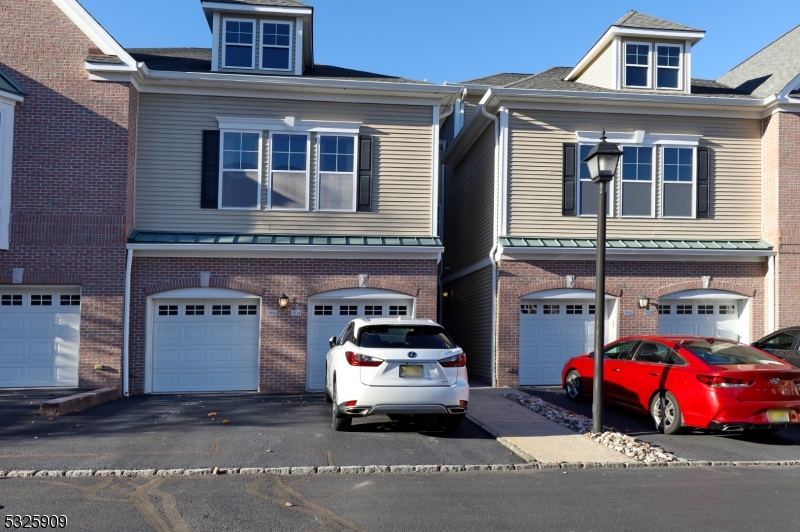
column 457, row 40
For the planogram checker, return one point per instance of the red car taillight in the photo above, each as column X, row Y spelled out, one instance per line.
column 457, row 361
column 356, row 359
column 723, row 382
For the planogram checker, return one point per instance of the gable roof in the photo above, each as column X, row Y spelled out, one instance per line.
column 634, row 19
column 770, row 70
column 7, row 84
column 269, row 3
column 552, row 79
column 199, row 60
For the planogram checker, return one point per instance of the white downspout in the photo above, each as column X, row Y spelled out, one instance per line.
column 771, row 318
column 126, row 327
column 495, row 239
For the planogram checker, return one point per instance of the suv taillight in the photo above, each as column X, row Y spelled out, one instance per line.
column 457, row 361
column 723, row 382
column 356, row 359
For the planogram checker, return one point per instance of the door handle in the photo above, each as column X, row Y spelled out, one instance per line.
column 654, row 374
column 617, row 370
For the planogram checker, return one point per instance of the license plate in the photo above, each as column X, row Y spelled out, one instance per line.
column 778, row 416
column 411, row 372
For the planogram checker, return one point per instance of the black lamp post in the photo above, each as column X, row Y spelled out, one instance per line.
column 602, row 161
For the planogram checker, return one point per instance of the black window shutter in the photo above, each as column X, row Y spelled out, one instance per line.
column 569, row 205
column 365, row 173
column 209, row 196
column 703, row 183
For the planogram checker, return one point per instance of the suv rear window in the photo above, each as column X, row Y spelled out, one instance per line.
column 404, row 337
column 720, row 353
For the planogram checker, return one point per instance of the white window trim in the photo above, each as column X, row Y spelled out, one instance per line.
column 308, row 170
column 262, row 45
column 222, row 169
column 290, row 124
column 354, row 173
column 223, row 32
column 6, row 153
column 679, row 68
column 694, row 183
column 610, row 188
column 649, row 65
column 652, row 182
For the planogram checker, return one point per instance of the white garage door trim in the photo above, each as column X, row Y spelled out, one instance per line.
column 39, row 336
column 317, row 334
column 562, row 298
column 186, row 293
column 708, row 296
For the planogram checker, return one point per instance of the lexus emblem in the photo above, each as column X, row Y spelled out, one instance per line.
column 773, row 381
column 412, row 354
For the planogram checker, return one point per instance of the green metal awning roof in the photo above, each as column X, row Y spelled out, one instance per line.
column 147, row 237
column 635, row 244
column 9, row 85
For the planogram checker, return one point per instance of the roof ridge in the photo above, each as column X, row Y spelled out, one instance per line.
column 625, row 17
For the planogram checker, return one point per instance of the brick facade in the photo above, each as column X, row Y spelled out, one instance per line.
column 283, row 339
column 72, row 176
column 625, row 280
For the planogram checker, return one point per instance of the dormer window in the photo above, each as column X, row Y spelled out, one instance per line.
column 239, row 49
column 276, row 45
column 637, row 65
column 668, row 66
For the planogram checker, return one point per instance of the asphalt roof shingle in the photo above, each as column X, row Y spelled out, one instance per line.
column 7, row 84
column 634, row 19
column 199, row 60
column 270, row 3
column 770, row 69
column 497, row 80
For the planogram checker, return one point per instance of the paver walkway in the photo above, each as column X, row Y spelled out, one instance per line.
column 542, row 439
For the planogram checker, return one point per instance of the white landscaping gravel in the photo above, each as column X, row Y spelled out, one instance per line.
column 627, row 445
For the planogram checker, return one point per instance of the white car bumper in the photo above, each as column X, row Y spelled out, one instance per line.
column 399, row 400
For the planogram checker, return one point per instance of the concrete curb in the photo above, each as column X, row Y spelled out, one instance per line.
column 78, row 402
column 504, row 442
column 380, row 469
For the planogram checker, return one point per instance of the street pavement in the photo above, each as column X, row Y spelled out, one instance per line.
column 652, row 499
column 696, row 445
column 176, row 431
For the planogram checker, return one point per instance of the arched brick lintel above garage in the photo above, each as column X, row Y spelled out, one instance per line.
column 724, row 286
column 561, row 283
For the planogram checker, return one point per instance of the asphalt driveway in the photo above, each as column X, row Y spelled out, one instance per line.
column 19, row 404
column 696, row 445
column 176, row 431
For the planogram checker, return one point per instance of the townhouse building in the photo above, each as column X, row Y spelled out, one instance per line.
column 701, row 233
column 263, row 201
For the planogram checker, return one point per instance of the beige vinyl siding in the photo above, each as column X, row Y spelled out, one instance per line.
column 169, row 167
column 468, row 318
column 601, row 72
column 535, row 181
column 257, row 39
column 468, row 210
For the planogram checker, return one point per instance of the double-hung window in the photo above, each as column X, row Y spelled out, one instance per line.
column 678, row 194
column 239, row 43
column 240, row 176
column 637, row 181
column 587, row 198
column 637, row 65
column 668, row 66
column 337, row 173
column 289, row 176
column 276, row 45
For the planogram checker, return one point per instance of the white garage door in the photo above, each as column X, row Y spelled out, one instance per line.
column 327, row 316
column 39, row 337
column 205, row 345
column 709, row 318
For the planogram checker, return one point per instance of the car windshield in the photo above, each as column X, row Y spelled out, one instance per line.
column 720, row 353
column 404, row 337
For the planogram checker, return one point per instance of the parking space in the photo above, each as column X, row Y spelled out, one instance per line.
column 163, row 431
column 696, row 445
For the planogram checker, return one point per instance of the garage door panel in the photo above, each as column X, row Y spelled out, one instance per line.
column 550, row 352
column 195, row 352
column 45, row 324
column 66, row 375
column 698, row 317
column 40, row 350
column 40, row 374
column 10, row 377
column 11, row 324
column 12, row 349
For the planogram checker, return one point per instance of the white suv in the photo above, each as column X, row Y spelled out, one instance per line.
column 396, row 367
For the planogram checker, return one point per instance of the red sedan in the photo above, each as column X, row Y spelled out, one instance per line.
column 689, row 381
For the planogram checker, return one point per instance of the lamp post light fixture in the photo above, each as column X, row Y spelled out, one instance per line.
column 283, row 301
column 643, row 301
column 602, row 161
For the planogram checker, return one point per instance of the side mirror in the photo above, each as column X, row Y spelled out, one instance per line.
column 332, row 341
